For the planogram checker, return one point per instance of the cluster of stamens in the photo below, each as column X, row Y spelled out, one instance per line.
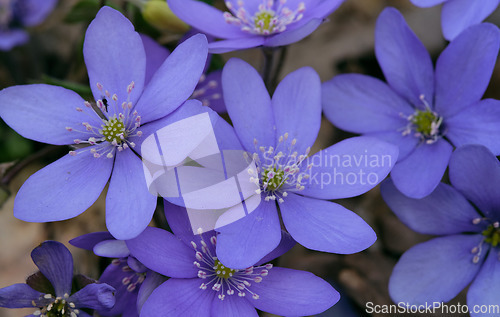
column 424, row 124
column 203, row 89
column 58, row 307
column 223, row 280
column 491, row 236
column 134, row 279
column 118, row 123
column 279, row 170
column 272, row 16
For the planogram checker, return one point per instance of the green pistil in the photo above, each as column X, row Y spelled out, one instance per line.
column 492, row 235
column 274, row 178
column 112, row 130
column 58, row 309
column 263, row 20
column 423, row 121
column 222, row 271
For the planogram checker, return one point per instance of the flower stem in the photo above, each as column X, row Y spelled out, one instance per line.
column 14, row 170
column 281, row 61
column 159, row 216
column 273, row 63
column 269, row 54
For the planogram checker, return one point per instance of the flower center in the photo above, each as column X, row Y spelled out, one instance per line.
column 273, row 177
column 221, row 271
column 272, row 16
column 492, row 234
column 207, row 91
column 424, row 124
column 279, row 170
column 223, row 280
column 118, row 123
column 113, row 130
column 60, row 307
column 264, row 21
column 132, row 279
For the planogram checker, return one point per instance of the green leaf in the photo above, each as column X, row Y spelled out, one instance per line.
column 83, row 11
column 82, row 90
column 16, row 146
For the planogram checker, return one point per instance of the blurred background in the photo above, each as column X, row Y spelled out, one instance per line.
column 344, row 44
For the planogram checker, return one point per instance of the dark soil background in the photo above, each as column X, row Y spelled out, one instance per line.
column 342, row 45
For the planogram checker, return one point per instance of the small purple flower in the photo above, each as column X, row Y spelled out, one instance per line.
column 200, row 285
column 424, row 111
column 15, row 14
column 466, row 217
column 458, row 15
column 251, row 23
column 105, row 134
column 208, row 90
column 50, row 290
column 278, row 133
column 131, row 279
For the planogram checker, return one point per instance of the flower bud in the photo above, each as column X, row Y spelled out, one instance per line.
column 158, row 14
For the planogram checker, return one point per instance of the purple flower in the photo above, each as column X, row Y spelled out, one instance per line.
column 131, row 279
column 200, row 285
column 50, row 290
column 116, row 63
column 251, row 23
column 208, row 90
column 466, row 217
column 278, row 134
column 15, row 14
column 458, row 15
column 424, row 111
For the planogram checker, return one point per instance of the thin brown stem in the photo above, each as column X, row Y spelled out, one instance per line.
column 14, row 170
column 267, row 71
column 281, row 62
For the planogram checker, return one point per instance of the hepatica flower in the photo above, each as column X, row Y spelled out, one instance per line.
column 50, row 290
column 200, row 285
column 424, row 111
column 105, row 134
column 278, row 133
column 132, row 281
column 457, row 15
column 466, row 217
column 251, row 23
column 17, row 14
column 208, row 90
